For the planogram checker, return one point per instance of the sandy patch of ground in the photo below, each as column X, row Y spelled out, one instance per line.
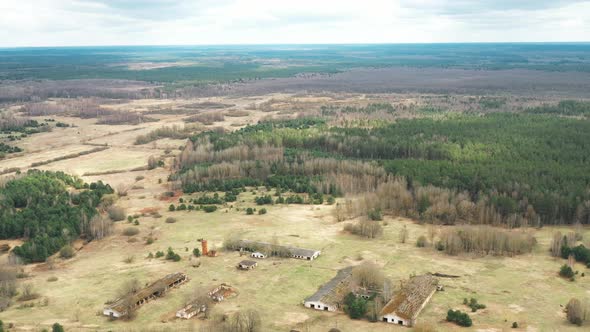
column 516, row 308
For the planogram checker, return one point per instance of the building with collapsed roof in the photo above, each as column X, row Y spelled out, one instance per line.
column 197, row 306
column 406, row 305
column 191, row 310
column 120, row 307
column 222, row 292
column 294, row 252
column 331, row 295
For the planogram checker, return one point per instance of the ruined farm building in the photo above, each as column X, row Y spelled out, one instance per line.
column 119, row 308
column 221, row 292
column 247, row 265
column 294, row 252
column 216, row 294
column 190, row 311
column 406, row 305
column 331, row 295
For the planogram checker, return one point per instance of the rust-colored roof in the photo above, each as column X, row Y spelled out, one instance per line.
column 408, row 302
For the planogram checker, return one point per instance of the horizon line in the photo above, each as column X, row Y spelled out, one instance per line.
column 300, row 44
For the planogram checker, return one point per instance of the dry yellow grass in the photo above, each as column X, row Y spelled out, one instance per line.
column 525, row 289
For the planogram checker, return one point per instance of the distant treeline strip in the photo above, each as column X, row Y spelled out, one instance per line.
column 69, row 156
column 136, row 169
column 9, row 170
column 564, row 107
column 173, row 132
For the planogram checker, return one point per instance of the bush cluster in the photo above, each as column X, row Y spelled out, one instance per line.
column 459, row 318
column 567, row 272
column 473, row 304
column 355, row 307
column 172, row 256
column 581, row 253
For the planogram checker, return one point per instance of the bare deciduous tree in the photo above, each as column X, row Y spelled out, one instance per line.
column 367, row 228
column 369, row 276
column 403, row 234
column 556, row 244
column 241, row 321
column 486, row 240
column 7, row 281
column 100, row 227
column 574, row 311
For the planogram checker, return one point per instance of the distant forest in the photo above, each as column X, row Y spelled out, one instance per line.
column 229, row 63
column 498, row 168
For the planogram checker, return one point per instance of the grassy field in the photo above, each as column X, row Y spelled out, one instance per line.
column 525, row 289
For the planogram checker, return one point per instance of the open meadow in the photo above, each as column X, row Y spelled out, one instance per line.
column 523, row 288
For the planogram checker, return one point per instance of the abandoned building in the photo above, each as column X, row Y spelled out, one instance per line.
column 190, row 311
column 247, row 265
column 406, row 305
column 308, row 254
column 217, row 294
column 222, row 292
column 121, row 306
column 331, row 295
column 258, row 255
column 294, row 252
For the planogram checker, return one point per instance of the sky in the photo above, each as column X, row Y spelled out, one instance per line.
column 212, row 22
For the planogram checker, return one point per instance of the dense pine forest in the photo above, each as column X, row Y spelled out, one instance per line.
column 48, row 209
column 494, row 168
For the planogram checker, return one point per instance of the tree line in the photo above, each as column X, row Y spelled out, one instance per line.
column 494, row 168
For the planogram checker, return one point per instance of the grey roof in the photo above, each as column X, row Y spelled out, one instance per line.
column 302, row 252
column 328, row 293
column 248, row 263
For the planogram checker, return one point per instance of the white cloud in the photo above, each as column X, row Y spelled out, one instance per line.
column 134, row 22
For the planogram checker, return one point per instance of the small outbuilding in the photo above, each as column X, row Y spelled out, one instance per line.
column 247, row 265
column 258, row 255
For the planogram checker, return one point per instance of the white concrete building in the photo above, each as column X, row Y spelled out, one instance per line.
column 405, row 306
column 329, row 297
column 294, row 252
column 258, row 255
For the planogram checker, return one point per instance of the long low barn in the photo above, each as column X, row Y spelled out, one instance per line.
column 294, row 252
column 120, row 307
column 405, row 306
column 330, row 296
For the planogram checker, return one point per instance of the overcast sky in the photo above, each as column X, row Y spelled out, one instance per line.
column 169, row 22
